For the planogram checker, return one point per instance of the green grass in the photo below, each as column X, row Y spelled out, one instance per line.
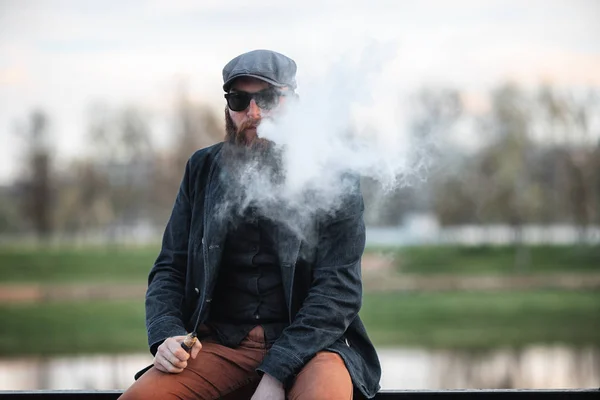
column 483, row 319
column 70, row 328
column 50, row 265
column 121, row 264
column 448, row 320
column 492, row 260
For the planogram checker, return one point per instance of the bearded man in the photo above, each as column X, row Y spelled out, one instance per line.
column 275, row 311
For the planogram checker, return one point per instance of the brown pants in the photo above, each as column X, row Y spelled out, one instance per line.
column 229, row 373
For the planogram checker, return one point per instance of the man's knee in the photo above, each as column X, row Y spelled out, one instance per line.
column 325, row 377
column 145, row 387
column 155, row 385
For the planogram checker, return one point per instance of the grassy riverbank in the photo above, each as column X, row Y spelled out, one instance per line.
column 493, row 260
column 470, row 320
column 71, row 265
column 450, row 319
column 121, row 264
column 483, row 319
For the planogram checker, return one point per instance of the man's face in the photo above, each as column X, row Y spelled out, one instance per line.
column 245, row 122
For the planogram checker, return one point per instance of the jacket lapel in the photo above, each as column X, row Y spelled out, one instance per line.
column 288, row 247
column 215, row 230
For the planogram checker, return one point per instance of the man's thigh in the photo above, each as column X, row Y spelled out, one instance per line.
column 216, row 372
column 323, row 377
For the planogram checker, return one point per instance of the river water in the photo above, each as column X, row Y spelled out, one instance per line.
column 539, row 367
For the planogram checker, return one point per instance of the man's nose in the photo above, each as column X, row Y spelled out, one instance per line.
column 253, row 110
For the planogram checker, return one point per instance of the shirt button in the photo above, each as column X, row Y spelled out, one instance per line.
column 197, row 291
column 257, row 316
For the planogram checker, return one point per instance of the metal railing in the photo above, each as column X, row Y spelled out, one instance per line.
column 571, row 394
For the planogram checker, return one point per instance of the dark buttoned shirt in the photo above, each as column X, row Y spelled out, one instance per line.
column 249, row 289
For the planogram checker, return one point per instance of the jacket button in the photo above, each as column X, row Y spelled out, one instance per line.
column 197, row 291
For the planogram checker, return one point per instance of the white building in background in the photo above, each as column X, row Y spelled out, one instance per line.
column 424, row 229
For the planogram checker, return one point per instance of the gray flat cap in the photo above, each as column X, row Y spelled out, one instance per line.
column 267, row 65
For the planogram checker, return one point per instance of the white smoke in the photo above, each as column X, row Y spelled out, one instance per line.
column 346, row 121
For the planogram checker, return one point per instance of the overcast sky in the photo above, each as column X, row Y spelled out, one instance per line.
column 63, row 55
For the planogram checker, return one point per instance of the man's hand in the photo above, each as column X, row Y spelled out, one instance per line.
column 170, row 357
column 269, row 388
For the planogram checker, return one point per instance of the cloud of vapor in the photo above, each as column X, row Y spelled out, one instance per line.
column 347, row 122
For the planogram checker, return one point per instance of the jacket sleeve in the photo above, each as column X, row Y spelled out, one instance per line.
column 333, row 300
column 166, row 282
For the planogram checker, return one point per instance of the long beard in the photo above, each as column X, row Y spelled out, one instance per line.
column 243, row 149
column 239, row 135
column 249, row 163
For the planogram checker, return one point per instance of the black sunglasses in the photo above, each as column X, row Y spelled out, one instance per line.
column 265, row 99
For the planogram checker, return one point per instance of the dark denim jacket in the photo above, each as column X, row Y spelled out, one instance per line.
column 323, row 296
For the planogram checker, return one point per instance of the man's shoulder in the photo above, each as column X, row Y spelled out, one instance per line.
column 201, row 156
column 199, row 164
column 202, row 159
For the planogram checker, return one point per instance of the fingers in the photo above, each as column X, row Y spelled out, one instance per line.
column 196, row 349
column 170, row 357
column 166, row 363
column 163, row 366
column 174, row 346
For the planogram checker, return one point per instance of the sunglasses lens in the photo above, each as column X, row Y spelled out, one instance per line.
column 238, row 101
column 267, row 99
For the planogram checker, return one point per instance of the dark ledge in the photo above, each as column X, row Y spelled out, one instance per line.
column 573, row 394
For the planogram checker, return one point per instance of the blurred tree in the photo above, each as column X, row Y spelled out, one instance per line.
column 130, row 177
column 436, row 113
column 453, row 201
column 578, row 192
column 119, row 136
column 83, row 203
column 36, row 182
column 516, row 177
column 569, row 119
column 114, row 184
column 10, row 221
column 101, row 133
column 551, row 112
column 594, row 167
column 507, row 192
column 195, row 126
column 388, row 208
column 582, row 162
